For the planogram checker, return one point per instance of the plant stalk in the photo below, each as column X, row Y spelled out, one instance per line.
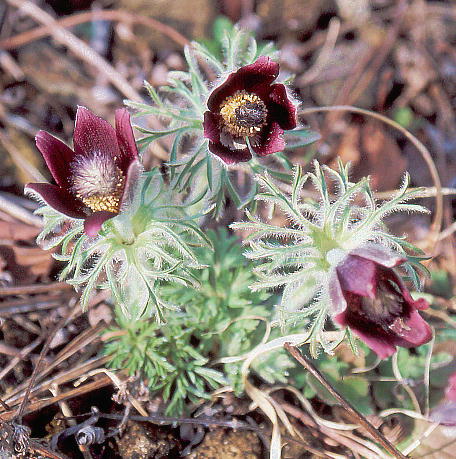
column 307, row 364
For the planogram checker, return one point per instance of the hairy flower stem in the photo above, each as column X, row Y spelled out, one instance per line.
column 307, row 364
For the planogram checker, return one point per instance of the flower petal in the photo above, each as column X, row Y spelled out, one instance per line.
column 381, row 345
column 93, row 134
column 379, row 255
column 57, row 155
column 420, row 303
column 228, row 155
column 251, row 78
column 132, row 182
column 358, row 275
column 211, row 127
column 125, row 139
column 338, row 301
column 411, row 332
column 92, row 224
column 273, row 141
column 57, row 198
column 280, row 107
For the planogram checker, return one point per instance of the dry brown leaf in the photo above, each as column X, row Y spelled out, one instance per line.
column 25, row 264
column 381, row 157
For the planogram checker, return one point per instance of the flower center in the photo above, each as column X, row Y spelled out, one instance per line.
column 98, row 182
column 387, row 306
column 244, row 114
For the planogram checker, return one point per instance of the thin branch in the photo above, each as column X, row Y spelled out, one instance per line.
column 295, row 353
column 101, row 15
column 34, row 289
column 59, row 325
column 78, row 47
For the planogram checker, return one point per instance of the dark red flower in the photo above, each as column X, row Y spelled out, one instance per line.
column 96, row 179
column 247, row 104
column 369, row 297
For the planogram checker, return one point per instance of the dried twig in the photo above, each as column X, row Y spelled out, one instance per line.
column 78, row 392
column 295, row 353
column 34, row 289
column 50, row 337
column 99, row 15
column 78, row 47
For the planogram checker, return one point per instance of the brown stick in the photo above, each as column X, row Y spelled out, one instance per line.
column 34, row 288
column 102, row 15
column 58, row 326
column 78, row 47
column 77, row 392
column 307, row 364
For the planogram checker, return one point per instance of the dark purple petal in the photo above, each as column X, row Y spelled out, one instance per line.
column 358, row 275
column 211, row 127
column 280, row 107
column 125, row 139
column 132, row 181
column 420, row 303
column 228, row 155
column 379, row 255
column 380, row 343
column 92, row 224
column 58, row 198
column 93, row 134
column 255, row 77
column 379, row 308
column 272, row 141
column 57, row 156
column 411, row 332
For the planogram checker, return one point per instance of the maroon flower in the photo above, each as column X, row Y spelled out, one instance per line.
column 96, row 179
column 247, row 104
column 369, row 297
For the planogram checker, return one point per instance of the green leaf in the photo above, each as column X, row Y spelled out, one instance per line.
column 300, row 138
column 221, row 26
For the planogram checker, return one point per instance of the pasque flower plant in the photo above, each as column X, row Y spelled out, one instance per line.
column 141, row 234
column 117, row 227
column 337, row 260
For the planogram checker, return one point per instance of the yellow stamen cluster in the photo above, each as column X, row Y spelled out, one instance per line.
column 110, row 202
column 98, row 182
column 243, row 114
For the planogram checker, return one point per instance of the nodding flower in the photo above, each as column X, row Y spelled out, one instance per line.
column 95, row 181
column 248, row 107
column 368, row 296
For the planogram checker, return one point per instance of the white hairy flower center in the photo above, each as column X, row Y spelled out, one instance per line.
column 98, row 182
